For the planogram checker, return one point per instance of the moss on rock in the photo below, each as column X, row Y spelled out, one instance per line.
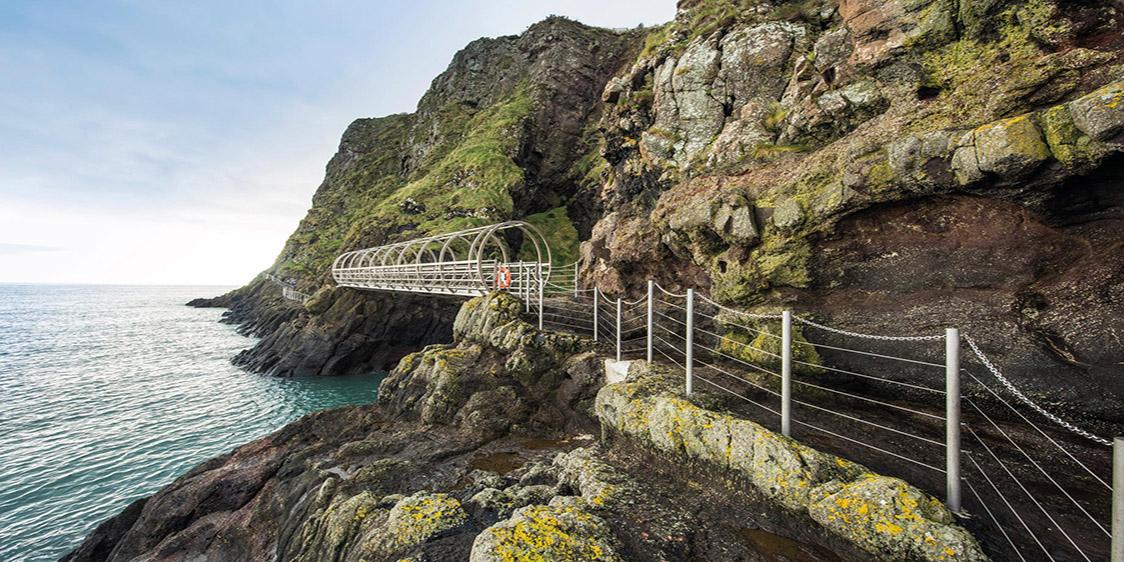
column 894, row 517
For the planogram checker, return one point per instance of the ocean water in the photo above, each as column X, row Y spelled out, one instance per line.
column 107, row 393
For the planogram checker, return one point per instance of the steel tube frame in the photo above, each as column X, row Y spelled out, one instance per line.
column 596, row 306
column 618, row 328
column 690, row 351
column 1117, row 500
column 952, row 418
column 651, row 314
column 786, row 373
column 463, row 263
column 542, row 285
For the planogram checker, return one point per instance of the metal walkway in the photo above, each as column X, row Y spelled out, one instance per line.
column 465, row 263
column 288, row 289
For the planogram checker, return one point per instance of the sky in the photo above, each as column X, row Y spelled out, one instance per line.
column 181, row 142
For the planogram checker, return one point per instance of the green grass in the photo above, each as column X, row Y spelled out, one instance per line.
column 560, row 235
column 465, row 181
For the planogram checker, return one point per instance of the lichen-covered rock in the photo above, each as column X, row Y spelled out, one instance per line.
column 596, row 482
column 903, row 523
column 895, row 520
column 421, row 517
column 562, row 531
column 1010, row 148
column 479, row 318
column 1101, row 113
column 460, row 384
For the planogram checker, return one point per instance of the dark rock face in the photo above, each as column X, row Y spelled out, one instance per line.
column 355, row 334
column 871, row 175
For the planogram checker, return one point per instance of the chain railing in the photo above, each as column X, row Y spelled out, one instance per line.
column 1039, row 492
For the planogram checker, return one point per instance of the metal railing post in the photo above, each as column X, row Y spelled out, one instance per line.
column 651, row 314
column 523, row 288
column 1117, row 500
column 690, row 351
column 575, row 280
column 596, row 300
column 786, row 373
column 618, row 328
column 542, row 285
column 952, row 417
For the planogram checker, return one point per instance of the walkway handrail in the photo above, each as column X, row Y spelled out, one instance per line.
column 706, row 341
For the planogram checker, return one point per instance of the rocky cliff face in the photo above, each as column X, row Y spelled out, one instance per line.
column 895, row 167
column 484, row 450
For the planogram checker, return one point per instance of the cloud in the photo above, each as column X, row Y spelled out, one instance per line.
column 15, row 249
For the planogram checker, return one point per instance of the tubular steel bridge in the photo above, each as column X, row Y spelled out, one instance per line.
column 467, row 263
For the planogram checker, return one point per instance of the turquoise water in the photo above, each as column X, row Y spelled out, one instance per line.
column 108, row 393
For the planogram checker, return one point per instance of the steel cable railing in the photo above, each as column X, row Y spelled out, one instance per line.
column 763, row 359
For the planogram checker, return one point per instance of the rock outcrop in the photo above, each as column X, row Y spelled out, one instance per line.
column 501, row 134
column 479, row 451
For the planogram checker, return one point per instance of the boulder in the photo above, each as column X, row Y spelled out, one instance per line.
column 895, row 519
column 1100, row 114
column 421, row 517
column 563, row 530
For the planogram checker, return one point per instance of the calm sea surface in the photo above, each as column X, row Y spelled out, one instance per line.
column 108, row 393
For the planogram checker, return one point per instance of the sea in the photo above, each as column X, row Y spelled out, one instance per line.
column 108, row 393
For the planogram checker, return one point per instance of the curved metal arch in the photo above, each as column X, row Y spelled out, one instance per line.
column 464, row 262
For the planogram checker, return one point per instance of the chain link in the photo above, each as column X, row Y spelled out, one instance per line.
column 866, row 336
column 1026, row 400
column 750, row 315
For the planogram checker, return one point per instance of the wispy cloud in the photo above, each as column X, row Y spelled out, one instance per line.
column 14, row 249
